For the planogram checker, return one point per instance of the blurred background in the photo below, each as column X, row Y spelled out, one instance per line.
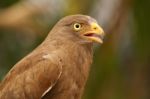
column 121, row 65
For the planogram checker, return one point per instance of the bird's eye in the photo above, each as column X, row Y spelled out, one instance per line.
column 77, row 26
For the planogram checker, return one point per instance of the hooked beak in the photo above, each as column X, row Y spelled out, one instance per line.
column 96, row 33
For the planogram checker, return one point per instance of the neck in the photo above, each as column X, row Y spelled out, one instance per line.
column 80, row 52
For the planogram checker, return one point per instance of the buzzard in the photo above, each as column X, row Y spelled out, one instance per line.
column 59, row 67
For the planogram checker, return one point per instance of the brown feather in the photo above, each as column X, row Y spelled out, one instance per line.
column 57, row 69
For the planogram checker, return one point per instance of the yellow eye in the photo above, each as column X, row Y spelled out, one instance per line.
column 77, row 26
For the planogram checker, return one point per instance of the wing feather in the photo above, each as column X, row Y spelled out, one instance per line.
column 32, row 77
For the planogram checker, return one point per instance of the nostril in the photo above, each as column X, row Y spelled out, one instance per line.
column 95, row 28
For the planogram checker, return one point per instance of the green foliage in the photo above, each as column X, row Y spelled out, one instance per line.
column 6, row 3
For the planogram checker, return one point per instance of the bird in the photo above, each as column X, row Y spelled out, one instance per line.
column 59, row 67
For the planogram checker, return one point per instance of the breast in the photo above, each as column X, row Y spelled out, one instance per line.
column 76, row 66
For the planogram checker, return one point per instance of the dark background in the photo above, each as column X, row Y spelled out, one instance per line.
column 121, row 65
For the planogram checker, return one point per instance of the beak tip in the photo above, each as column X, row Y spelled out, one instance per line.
column 101, row 41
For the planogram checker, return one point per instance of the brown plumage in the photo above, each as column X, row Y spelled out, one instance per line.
column 59, row 67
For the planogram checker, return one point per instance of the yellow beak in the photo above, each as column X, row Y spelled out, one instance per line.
column 95, row 33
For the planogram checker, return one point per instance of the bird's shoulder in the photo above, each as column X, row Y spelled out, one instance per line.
column 37, row 60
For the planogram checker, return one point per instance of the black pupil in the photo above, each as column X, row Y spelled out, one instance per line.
column 77, row 26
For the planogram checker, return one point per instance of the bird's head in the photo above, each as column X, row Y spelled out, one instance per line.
column 79, row 28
